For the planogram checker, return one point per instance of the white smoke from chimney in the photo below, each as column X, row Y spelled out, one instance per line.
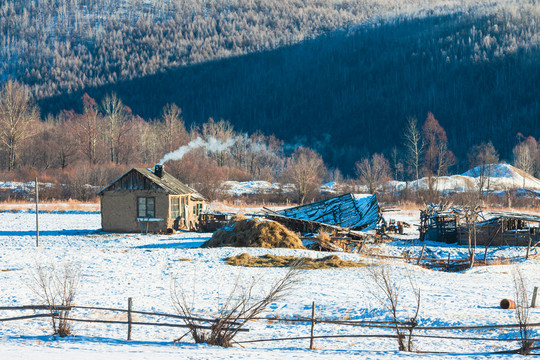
column 211, row 144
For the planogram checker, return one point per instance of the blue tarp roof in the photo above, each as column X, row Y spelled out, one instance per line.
column 353, row 211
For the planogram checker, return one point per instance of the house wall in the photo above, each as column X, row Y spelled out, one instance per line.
column 119, row 210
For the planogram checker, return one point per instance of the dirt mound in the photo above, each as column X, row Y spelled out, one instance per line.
column 255, row 233
column 328, row 262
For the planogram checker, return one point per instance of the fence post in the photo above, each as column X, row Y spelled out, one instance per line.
column 421, row 255
column 528, row 246
column 312, row 325
column 534, row 296
column 130, row 303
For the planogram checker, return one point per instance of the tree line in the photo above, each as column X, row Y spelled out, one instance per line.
column 105, row 139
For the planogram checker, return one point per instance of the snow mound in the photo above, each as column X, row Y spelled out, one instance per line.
column 496, row 176
column 504, row 175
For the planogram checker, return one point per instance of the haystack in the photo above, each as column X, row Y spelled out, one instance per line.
column 255, row 233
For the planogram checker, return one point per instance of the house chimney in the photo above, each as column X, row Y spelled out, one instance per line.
column 158, row 170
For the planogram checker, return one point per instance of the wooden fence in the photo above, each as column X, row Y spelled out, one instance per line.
column 53, row 311
column 418, row 331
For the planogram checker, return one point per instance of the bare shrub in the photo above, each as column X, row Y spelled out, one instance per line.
column 522, row 311
column 57, row 288
column 388, row 294
column 241, row 305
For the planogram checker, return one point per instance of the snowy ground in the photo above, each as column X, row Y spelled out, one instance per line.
column 114, row 267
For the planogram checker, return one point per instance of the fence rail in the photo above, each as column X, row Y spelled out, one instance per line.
column 311, row 321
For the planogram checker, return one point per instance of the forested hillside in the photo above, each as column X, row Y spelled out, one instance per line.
column 59, row 46
column 347, row 93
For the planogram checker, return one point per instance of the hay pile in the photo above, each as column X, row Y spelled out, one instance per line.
column 328, row 262
column 255, row 233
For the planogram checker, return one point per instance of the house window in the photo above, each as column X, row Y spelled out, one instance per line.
column 175, row 209
column 146, row 207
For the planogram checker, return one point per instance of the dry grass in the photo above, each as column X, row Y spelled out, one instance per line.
column 306, row 263
column 49, row 206
column 255, row 233
column 410, row 206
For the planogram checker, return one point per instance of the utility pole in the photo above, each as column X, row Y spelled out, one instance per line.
column 37, row 214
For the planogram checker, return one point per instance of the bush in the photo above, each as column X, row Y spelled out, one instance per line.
column 240, row 306
column 57, row 288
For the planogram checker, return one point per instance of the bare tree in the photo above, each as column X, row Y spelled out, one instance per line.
column 305, row 169
column 57, row 288
column 397, row 165
column 414, row 146
column 17, row 116
column 437, row 157
column 522, row 310
column 373, row 173
column 525, row 154
column 89, row 127
column 117, row 118
column 241, row 305
column 388, row 294
column 221, row 130
column 173, row 130
column 483, row 158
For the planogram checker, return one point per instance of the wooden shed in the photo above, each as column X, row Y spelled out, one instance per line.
column 145, row 200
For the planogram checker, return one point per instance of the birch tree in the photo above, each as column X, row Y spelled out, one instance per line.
column 414, row 146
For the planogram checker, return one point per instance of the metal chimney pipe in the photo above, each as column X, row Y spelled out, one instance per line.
column 158, row 170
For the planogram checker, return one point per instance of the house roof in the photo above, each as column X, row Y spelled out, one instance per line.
column 166, row 182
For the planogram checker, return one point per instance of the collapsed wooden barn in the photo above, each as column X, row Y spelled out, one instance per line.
column 464, row 225
column 349, row 212
column 143, row 200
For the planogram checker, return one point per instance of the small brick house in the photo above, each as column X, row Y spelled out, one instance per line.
column 145, row 200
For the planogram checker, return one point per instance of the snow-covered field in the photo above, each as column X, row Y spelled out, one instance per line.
column 114, row 267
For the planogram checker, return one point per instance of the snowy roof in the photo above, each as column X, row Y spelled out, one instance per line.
column 353, row 211
column 166, row 182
